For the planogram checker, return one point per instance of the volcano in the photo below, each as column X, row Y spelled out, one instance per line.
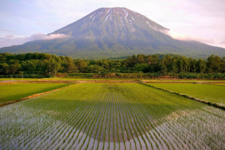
column 115, row 32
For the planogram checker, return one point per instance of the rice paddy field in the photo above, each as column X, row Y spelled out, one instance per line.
column 208, row 92
column 12, row 92
column 110, row 116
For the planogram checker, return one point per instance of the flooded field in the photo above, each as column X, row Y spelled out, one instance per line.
column 111, row 116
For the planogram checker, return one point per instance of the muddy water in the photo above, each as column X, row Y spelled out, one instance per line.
column 111, row 146
column 95, row 144
column 147, row 142
column 137, row 143
column 127, row 145
column 80, row 142
column 90, row 143
column 116, row 146
column 100, row 145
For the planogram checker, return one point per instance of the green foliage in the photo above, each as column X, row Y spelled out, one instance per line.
column 43, row 64
column 141, row 67
column 4, row 68
column 81, row 64
column 94, row 69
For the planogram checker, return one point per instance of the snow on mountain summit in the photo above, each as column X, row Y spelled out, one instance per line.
column 115, row 22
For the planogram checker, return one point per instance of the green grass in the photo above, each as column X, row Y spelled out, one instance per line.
column 10, row 92
column 109, row 112
column 210, row 93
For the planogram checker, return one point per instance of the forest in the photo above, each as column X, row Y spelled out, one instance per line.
column 48, row 65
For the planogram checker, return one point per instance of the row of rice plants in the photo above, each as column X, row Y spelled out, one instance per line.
column 187, row 123
column 32, row 129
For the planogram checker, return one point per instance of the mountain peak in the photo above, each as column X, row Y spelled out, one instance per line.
column 109, row 21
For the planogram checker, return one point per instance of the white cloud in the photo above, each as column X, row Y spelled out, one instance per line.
column 10, row 40
column 41, row 36
column 223, row 42
column 4, row 42
column 185, row 37
column 9, row 36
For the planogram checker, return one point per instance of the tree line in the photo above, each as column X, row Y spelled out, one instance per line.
column 48, row 64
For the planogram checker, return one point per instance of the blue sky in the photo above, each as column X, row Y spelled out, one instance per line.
column 25, row 20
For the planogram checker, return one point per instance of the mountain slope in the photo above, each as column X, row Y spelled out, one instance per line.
column 117, row 23
column 115, row 32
